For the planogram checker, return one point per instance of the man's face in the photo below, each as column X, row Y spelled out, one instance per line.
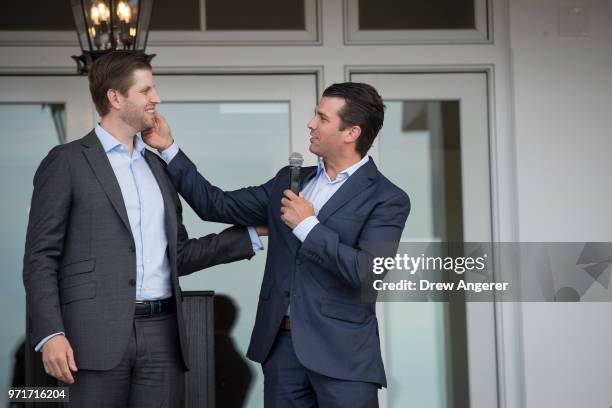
column 138, row 108
column 326, row 138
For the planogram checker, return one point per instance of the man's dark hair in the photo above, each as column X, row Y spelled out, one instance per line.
column 363, row 107
column 114, row 71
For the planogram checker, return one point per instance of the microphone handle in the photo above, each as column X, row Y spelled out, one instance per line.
column 295, row 179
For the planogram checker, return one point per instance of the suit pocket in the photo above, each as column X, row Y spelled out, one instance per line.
column 76, row 273
column 78, row 267
column 343, row 311
column 78, row 292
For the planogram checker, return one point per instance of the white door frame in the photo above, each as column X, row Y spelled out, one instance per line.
column 71, row 91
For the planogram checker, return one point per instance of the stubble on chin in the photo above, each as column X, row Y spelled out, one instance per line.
column 147, row 126
column 138, row 123
column 147, row 122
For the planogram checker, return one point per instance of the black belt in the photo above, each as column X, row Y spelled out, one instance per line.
column 286, row 324
column 148, row 308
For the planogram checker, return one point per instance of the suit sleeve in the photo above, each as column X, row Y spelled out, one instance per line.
column 49, row 212
column 247, row 206
column 231, row 244
column 379, row 238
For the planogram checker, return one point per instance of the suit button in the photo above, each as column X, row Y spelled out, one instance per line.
column 131, row 248
column 287, row 293
column 132, row 282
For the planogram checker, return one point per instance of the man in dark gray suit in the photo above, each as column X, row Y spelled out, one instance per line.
column 104, row 249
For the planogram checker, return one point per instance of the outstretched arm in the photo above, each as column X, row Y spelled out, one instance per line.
column 231, row 244
column 247, row 206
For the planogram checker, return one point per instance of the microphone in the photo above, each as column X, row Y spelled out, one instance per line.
column 295, row 163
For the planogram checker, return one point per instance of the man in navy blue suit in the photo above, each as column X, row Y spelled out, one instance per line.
column 315, row 336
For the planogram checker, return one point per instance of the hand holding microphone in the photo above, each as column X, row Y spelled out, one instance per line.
column 295, row 166
column 295, row 208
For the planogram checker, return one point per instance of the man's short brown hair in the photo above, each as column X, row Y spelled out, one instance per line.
column 363, row 107
column 114, row 71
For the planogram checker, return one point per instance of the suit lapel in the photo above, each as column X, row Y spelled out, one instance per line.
column 169, row 207
column 96, row 156
column 356, row 183
column 306, row 175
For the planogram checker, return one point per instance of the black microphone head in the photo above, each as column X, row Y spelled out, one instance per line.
column 296, row 159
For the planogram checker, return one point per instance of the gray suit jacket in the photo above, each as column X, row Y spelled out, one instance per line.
column 80, row 262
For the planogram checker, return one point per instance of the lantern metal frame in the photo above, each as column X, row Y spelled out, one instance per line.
column 122, row 24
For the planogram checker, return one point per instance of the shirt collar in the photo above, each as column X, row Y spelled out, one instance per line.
column 346, row 173
column 139, row 145
column 109, row 142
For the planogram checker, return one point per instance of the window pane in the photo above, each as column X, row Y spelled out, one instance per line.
column 36, row 15
column 416, row 14
column 419, row 146
column 28, row 132
column 190, row 21
column 255, row 15
column 176, row 15
column 222, row 134
column 420, row 152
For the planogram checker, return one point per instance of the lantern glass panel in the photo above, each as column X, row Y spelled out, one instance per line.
column 142, row 25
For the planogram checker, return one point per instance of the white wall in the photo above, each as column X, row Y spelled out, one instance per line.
column 562, row 104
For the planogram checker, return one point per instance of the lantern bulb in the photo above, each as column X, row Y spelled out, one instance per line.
column 103, row 11
column 123, row 11
column 95, row 15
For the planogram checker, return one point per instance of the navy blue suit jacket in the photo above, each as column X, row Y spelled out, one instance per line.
column 334, row 332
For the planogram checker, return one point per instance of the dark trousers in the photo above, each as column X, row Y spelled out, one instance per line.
column 288, row 384
column 150, row 373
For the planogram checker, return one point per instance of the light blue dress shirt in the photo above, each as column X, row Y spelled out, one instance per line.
column 145, row 209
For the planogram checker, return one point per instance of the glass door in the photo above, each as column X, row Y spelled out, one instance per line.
column 36, row 113
column 435, row 146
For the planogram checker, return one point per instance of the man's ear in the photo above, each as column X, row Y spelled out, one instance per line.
column 353, row 134
column 114, row 98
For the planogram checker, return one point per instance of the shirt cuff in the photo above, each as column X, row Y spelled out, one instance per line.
column 303, row 228
column 43, row 341
column 168, row 154
column 255, row 241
